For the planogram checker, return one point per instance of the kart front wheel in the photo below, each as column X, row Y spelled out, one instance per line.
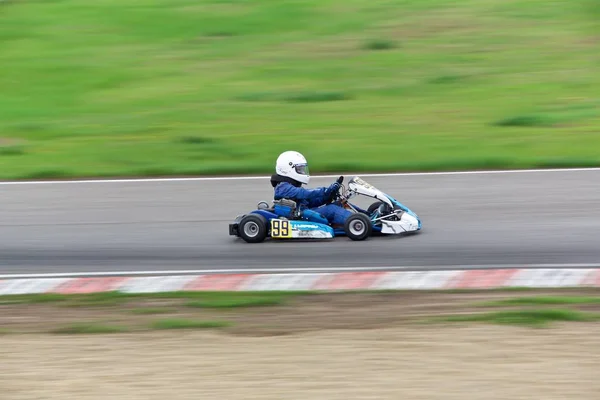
column 358, row 227
column 386, row 208
column 253, row 228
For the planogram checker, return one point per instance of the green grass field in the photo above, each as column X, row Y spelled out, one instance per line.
column 282, row 312
column 139, row 87
column 196, row 299
column 533, row 318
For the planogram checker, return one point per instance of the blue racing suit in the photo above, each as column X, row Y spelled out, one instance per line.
column 313, row 199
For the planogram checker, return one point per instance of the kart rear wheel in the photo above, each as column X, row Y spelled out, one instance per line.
column 358, row 227
column 253, row 228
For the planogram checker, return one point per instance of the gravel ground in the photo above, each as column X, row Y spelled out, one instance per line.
column 441, row 362
column 331, row 346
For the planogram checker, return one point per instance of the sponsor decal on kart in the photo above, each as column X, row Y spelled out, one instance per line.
column 361, row 182
column 305, row 226
column 285, row 229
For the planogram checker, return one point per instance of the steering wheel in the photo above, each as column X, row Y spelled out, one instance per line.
column 334, row 195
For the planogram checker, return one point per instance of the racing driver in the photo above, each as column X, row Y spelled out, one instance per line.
column 291, row 173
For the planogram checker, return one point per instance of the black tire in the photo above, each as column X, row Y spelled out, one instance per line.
column 376, row 205
column 253, row 228
column 373, row 207
column 358, row 227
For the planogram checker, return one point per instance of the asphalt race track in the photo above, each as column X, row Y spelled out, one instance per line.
column 475, row 220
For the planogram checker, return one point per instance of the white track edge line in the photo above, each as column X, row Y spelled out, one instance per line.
column 416, row 268
column 248, row 178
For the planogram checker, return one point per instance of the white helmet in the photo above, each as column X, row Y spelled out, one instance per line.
column 293, row 165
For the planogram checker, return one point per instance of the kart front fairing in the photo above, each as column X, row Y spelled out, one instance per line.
column 405, row 219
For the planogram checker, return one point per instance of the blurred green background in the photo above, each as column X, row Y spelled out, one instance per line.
column 164, row 87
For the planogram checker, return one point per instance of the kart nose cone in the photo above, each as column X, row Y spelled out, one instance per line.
column 411, row 222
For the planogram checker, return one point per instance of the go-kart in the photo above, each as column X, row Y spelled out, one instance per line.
column 284, row 220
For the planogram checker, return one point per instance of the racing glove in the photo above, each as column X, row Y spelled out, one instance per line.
column 334, row 187
column 331, row 190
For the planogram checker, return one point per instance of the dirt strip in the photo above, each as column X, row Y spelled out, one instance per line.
column 351, row 346
column 469, row 362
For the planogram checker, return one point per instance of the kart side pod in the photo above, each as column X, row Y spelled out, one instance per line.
column 260, row 224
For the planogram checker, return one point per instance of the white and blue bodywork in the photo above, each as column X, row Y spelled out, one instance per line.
column 392, row 217
column 284, row 221
column 309, row 226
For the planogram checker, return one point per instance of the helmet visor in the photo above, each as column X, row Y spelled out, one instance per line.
column 302, row 169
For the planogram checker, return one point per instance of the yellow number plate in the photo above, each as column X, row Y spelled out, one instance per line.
column 280, row 229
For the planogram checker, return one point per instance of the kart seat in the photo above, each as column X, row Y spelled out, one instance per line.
column 288, row 209
column 263, row 205
column 285, row 208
